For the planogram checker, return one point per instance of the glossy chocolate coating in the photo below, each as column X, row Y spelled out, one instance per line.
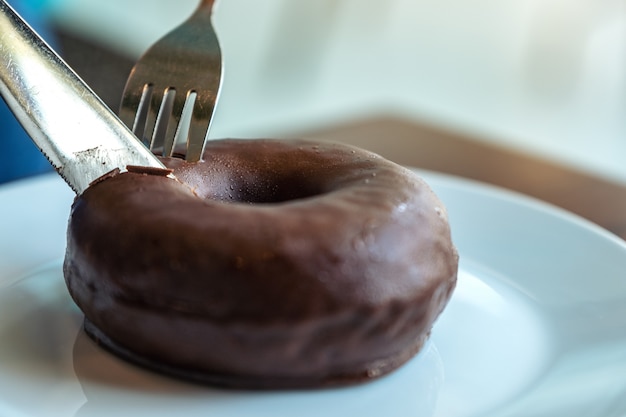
column 269, row 264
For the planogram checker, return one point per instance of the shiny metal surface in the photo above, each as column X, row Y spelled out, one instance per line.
column 78, row 133
column 170, row 96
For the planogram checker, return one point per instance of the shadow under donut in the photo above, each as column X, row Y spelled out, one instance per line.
column 114, row 385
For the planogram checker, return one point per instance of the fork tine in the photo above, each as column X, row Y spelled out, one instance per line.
column 139, row 122
column 163, row 128
column 198, row 130
column 140, row 113
column 133, row 97
column 176, row 129
column 183, row 132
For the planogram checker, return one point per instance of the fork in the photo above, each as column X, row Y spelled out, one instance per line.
column 170, row 95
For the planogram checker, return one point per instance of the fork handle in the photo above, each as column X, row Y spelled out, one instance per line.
column 207, row 4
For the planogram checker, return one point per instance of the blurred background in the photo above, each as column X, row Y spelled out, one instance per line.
column 526, row 94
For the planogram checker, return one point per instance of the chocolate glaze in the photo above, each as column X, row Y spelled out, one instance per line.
column 269, row 264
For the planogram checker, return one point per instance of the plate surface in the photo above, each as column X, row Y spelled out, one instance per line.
column 537, row 325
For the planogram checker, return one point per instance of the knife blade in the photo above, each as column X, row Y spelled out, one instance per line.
column 81, row 137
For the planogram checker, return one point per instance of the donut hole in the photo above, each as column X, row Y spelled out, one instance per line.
column 264, row 174
column 269, row 189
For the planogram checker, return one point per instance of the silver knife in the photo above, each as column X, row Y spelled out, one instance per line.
column 75, row 130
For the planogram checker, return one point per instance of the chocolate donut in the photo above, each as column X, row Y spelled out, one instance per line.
column 269, row 264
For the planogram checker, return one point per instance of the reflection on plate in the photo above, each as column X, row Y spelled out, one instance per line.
column 536, row 326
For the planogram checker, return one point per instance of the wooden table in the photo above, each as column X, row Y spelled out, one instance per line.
column 433, row 148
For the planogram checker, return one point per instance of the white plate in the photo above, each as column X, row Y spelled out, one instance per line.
column 537, row 325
